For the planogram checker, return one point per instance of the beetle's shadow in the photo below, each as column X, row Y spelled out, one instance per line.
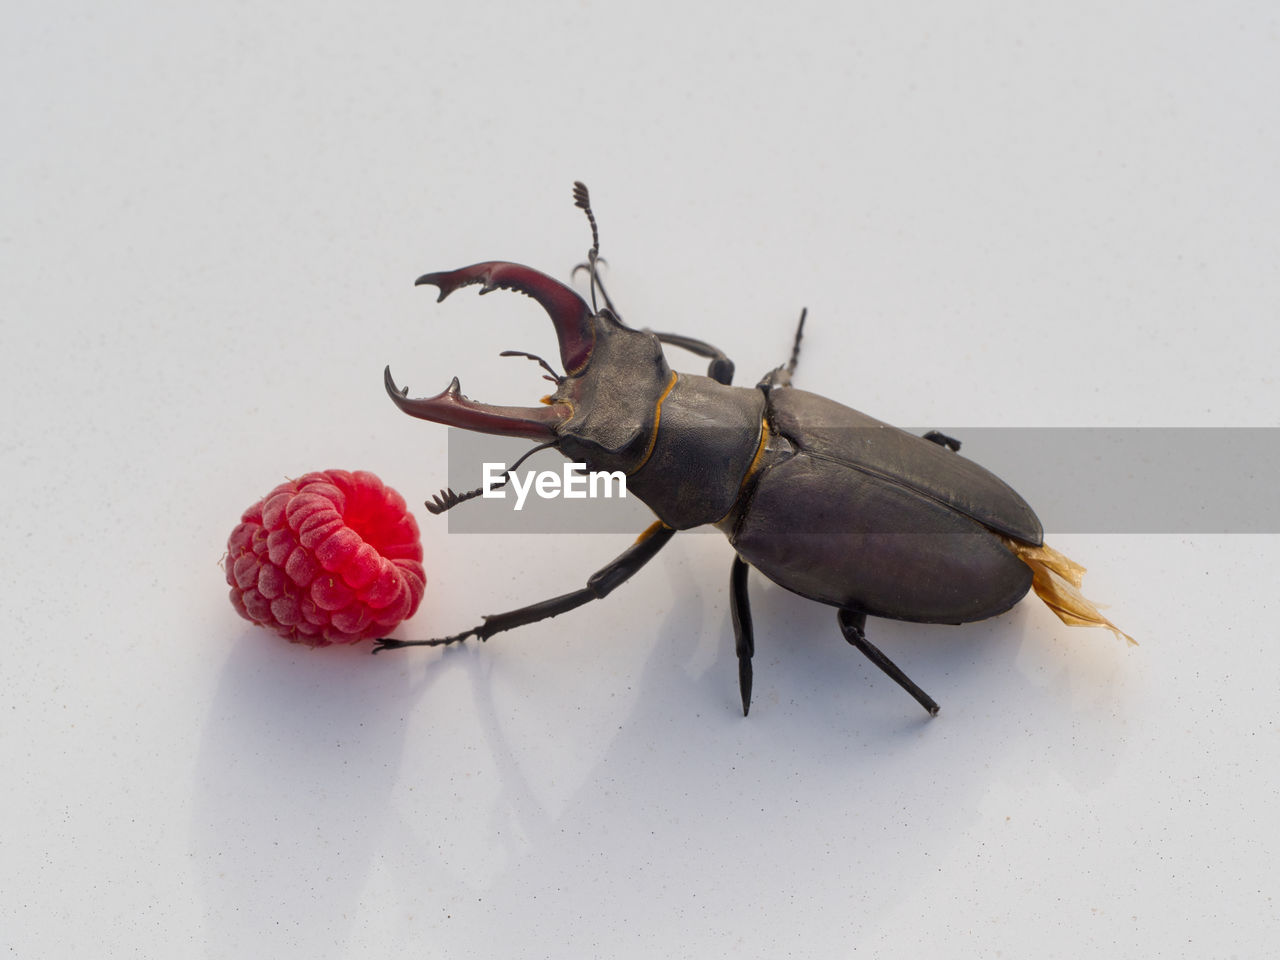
column 834, row 753
column 684, row 790
column 994, row 680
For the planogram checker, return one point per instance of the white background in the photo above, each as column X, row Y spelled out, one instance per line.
column 998, row 215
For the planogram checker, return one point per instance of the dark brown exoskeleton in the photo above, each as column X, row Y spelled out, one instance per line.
column 820, row 498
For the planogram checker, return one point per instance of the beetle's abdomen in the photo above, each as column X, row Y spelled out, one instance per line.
column 832, row 533
column 706, row 437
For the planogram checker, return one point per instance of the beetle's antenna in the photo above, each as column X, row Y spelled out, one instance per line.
column 506, row 474
column 446, row 499
column 795, row 346
column 781, row 376
column 582, row 200
column 554, row 378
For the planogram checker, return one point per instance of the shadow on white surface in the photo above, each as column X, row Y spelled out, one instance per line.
column 329, row 817
column 293, row 787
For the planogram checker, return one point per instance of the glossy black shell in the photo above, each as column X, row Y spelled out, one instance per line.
column 853, row 512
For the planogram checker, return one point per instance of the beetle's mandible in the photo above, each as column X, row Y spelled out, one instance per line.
column 823, row 500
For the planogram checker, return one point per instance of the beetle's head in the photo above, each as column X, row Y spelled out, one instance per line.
column 603, row 411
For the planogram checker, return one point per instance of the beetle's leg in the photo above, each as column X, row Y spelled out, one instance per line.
column 721, row 368
column 740, row 610
column 781, row 376
column 853, row 626
column 601, row 584
column 942, row 440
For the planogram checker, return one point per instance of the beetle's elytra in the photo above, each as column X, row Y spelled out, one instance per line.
column 823, row 500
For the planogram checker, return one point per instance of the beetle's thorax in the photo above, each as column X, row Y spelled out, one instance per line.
column 708, row 437
column 685, row 442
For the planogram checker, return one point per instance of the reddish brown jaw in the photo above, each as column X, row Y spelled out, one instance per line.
column 568, row 311
column 454, row 410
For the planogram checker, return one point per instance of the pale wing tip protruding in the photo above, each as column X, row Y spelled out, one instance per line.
column 1056, row 579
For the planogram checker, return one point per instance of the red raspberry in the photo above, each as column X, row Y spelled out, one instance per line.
column 332, row 557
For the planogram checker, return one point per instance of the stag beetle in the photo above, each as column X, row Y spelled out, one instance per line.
column 821, row 499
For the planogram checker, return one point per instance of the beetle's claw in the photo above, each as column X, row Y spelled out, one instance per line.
column 439, row 279
column 451, row 408
column 390, row 643
column 588, row 266
column 450, row 280
column 389, row 382
column 569, row 313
